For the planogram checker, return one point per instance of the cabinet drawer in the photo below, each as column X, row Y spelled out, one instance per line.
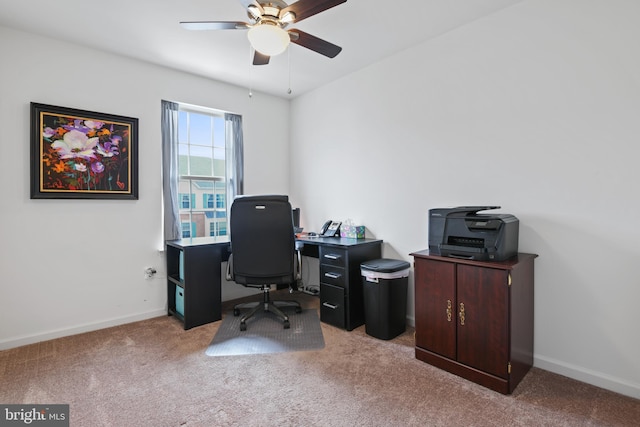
column 332, row 305
column 333, row 256
column 332, row 275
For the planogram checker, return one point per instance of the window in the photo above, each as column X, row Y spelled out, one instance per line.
column 208, row 200
column 185, row 200
column 203, row 169
column 186, row 229
column 202, row 172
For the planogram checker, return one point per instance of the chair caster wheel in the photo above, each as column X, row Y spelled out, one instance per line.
column 243, row 326
column 236, row 312
column 298, row 310
column 286, row 324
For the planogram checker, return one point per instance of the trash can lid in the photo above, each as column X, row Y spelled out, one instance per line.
column 385, row 265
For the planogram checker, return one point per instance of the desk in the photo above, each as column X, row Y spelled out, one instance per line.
column 199, row 278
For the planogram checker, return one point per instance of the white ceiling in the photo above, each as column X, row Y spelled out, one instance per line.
column 149, row 30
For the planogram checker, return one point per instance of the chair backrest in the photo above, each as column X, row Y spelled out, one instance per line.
column 262, row 240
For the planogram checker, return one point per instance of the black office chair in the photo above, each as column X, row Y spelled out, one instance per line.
column 263, row 252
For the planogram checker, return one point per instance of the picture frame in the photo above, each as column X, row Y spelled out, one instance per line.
column 79, row 154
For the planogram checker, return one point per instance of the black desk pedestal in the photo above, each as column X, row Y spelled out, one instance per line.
column 193, row 265
column 341, row 294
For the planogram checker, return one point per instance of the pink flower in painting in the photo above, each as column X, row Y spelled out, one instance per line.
column 81, row 167
column 75, row 144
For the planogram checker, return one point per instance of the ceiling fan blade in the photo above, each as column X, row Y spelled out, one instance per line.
column 314, row 43
column 306, row 8
column 260, row 59
column 214, row 25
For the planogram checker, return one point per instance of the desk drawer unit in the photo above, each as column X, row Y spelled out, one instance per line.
column 341, row 294
column 334, row 301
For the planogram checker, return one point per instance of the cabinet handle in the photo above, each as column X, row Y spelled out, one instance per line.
column 333, row 257
column 332, row 275
column 331, row 306
column 449, row 310
column 461, row 314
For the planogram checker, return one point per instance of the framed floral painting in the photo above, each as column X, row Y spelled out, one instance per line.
column 77, row 154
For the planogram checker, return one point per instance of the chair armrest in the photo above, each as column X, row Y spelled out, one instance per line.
column 229, row 273
column 297, row 265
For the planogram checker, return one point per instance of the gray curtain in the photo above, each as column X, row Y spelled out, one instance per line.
column 235, row 158
column 172, row 229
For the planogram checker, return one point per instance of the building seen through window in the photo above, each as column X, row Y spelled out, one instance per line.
column 202, row 185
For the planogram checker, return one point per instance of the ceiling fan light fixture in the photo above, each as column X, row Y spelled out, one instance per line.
column 268, row 39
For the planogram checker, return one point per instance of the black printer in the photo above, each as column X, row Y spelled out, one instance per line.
column 464, row 233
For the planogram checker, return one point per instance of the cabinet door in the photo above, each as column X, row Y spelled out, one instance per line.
column 435, row 306
column 483, row 318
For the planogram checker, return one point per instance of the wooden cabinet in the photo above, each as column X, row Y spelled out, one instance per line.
column 193, row 269
column 475, row 319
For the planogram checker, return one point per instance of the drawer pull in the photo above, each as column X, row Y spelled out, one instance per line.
column 332, row 275
column 331, row 306
column 332, row 257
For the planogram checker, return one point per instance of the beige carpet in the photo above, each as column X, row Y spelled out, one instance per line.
column 153, row 373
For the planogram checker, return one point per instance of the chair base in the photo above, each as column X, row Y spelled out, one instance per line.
column 266, row 305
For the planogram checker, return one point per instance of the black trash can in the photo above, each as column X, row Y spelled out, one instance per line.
column 385, row 297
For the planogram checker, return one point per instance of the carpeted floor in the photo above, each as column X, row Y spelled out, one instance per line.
column 153, row 373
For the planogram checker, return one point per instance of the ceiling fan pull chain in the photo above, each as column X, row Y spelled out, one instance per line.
column 250, row 72
column 289, row 59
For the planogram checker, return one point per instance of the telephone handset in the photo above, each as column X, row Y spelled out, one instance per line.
column 330, row 228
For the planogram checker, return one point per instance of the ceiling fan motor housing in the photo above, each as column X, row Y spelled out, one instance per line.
column 270, row 13
column 269, row 18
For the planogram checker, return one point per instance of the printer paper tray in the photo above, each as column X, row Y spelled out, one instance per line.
column 467, row 249
column 464, row 252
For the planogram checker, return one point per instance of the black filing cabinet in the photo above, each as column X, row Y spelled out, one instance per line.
column 341, row 294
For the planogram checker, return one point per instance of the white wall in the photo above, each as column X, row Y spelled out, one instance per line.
column 75, row 265
column 534, row 109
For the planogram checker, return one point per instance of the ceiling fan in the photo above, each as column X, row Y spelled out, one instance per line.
column 269, row 18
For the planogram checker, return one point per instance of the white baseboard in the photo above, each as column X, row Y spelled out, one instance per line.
column 59, row 333
column 588, row 376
